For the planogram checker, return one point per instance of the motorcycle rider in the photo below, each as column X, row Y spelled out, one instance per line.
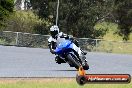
column 55, row 37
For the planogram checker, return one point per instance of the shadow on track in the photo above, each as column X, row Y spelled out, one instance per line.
column 64, row 70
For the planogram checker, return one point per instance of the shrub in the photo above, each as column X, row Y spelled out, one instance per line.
column 27, row 21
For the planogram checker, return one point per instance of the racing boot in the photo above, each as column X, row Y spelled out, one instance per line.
column 84, row 62
column 59, row 60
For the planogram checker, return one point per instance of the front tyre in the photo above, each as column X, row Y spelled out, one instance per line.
column 72, row 58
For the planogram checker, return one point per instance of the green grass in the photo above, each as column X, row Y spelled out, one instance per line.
column 112, row 43
column 56, row 83
column 111, row 34
column 4, row 42
column 115, row 47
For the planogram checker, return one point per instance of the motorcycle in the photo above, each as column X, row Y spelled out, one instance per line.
column 67, row 51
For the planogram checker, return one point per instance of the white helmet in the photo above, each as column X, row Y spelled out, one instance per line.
column 54, row 30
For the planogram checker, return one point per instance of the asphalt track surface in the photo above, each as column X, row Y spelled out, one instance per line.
column 37, row 62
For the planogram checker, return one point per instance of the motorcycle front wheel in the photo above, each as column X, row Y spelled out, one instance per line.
column 72, row 58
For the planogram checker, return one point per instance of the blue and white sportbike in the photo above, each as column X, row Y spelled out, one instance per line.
column 67, row 51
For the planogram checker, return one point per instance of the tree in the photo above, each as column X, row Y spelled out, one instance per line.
column 124, row 17
column 78, row 17
column 40, row 7
column 17, row 4
column 6, row 7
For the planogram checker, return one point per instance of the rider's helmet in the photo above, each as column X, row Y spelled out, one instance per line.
column 54, row 30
